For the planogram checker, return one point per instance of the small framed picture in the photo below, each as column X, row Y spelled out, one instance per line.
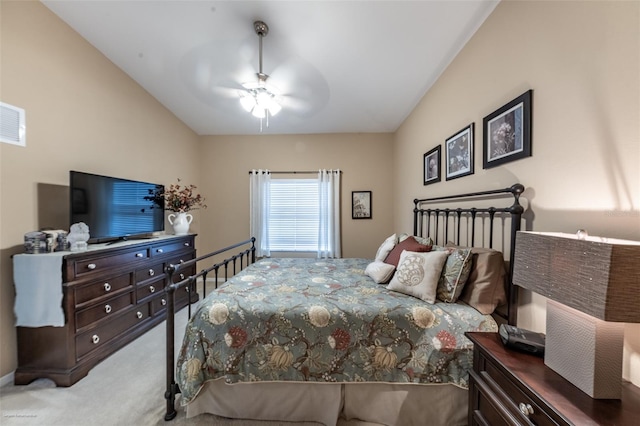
column 361, row 204
column 507, row 132
column 458, row 153
column 432, row 166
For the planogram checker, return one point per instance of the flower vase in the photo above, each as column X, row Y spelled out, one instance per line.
column 180, row 222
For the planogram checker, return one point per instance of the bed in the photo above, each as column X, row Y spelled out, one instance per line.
column 339, row 340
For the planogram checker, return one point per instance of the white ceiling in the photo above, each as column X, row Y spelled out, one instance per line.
column 340, row 66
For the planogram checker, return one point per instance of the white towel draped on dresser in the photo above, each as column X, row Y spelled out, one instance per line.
column 38, row 283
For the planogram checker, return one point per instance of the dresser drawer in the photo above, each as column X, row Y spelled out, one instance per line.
column 149, row 289
column 87, row 293
column 108, row 308
column 149, row 272
column 159, row 305
column 99, row 265
column 167, row 248
column 94, row 339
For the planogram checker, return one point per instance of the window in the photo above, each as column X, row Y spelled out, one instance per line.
column 294, row 215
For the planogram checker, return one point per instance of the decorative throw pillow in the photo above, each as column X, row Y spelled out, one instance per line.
column 454, row 274
column 409, row 244
column 386, row 246
column 380, row 272
column 417, row 274
column 485, row 288
column 422, row 240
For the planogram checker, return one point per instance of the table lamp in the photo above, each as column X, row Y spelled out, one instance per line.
column 593, row 287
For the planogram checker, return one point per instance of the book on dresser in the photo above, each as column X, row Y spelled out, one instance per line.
column 74, row 309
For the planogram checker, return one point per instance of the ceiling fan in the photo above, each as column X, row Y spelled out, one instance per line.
column 260, row 98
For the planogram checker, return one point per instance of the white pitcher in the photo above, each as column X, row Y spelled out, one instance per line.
column 180, row 222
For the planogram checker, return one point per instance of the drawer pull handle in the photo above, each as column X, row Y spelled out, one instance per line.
column 164, row 302
column 182, row 276
column 152, row 289
column 526, row 409
column 181, row 260
column 95, row 339
column 151, row 272
column 139, row 314
column 160, row 250
column 107, row 308
column 91, row 266
column 139, row 255
column 187, row 244
column 107, row 287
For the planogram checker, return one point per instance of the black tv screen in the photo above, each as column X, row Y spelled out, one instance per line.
column 114, row 208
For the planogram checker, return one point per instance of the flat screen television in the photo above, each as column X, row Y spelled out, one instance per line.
column 114, row 208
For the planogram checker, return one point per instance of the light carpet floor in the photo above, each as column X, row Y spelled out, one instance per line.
column 125, row 389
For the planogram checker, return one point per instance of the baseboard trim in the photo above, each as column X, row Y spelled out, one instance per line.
column 7, row 380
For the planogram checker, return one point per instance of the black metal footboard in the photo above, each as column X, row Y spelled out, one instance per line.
column 246, row 256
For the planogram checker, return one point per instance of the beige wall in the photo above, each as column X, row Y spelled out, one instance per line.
column 82, row 113
column 580, row 58
column 582, row 61
column 365, row 161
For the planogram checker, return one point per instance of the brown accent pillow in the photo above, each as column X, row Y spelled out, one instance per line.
column 485, row 287
column 409, row 244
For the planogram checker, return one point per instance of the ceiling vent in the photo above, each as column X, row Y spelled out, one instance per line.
column 12, row 125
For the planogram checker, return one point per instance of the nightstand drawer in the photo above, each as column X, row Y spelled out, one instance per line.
column 516, row 400
column 488, row 410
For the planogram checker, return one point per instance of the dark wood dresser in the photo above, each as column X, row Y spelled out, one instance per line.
column 507, row 387
column 110, row 296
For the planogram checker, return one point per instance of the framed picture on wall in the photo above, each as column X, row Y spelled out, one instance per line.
column 458, row 153
column 507, row 132
column 361, row 204
column 432, row 166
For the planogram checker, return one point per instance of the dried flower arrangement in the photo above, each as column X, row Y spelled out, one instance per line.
column 178, row 198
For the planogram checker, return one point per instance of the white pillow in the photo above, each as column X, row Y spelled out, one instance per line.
column 418, row 274
column 386, row 246
column 380, row 272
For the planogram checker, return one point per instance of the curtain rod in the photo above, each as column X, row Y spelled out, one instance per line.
column 306, row 172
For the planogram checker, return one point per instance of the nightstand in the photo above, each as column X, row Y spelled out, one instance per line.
column 507, row 387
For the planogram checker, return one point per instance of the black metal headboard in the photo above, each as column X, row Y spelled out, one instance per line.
column 467, row 224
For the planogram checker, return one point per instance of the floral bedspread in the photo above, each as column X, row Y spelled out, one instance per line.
column 311, row 320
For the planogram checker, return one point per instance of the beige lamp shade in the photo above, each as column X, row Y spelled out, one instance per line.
column 597, row 276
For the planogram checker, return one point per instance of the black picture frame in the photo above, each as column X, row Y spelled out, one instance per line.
column 431, row 166
column 361, row 205
column 458, row 153
column 507, row 132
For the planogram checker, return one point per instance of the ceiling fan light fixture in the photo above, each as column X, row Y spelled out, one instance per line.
column 258, row 98
column 247, row 101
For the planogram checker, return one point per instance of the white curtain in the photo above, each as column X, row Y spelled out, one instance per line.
column 329, row 229
column 259, row 193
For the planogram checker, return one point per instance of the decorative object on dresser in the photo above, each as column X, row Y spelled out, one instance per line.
column 508, row 387
column 75, row 309
column 592, row 285
column 180, row 200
